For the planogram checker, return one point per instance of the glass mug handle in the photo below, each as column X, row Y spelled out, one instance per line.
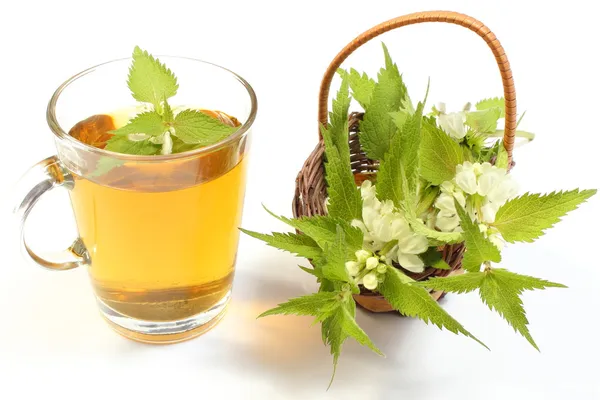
column 40, row 179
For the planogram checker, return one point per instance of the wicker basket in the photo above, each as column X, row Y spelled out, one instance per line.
column 311, row 189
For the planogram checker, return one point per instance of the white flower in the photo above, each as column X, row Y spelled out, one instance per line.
column 447, row 222
column 372, row 263
column 353, row 267
column 411, row 262
column 453, row 124
column 167, row 147
column 370, row 281
column 496, row 238
column 362, row 255
column 488, row 212
column 413, row 244
column 465, row 177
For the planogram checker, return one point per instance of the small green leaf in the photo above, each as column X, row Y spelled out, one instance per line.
column 362, row 86
column 122, row 144
column 478, row 249
column 440, row 154
column 428, row 197
column 525, row 218
column 495, row 102
column 414, row 301
column 194, row 127
column 149, row 80
column 300, row 245
column 433, row 258
column 484, row 121
column 150, row 123
column 167, row 112
column 502, row 157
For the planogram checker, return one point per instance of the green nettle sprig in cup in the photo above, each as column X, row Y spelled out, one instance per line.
column 442, row 179
column 158, row 130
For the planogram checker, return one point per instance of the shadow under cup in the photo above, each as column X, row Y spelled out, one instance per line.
column 159, row 234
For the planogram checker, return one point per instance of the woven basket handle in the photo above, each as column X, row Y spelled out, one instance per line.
column 476, row 26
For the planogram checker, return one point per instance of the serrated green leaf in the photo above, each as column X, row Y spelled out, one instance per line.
column 351, row 328
column 344, row 196
column 463, row 283
column 362, row 86
column 179, row 146
column 150, row 80
column 323, row 230
column 377, row 127
column 336, row 255
column 150, row 123
column 334, row 335
column 320, row 305
column 401, row 163
column 525, row 218
column 478, row 249
column 502, row 157
column 300, row 245
column 500, row 290
column 194, row 127
column 122, row 144
column 440, row 154
column 414, row 301
column 167, row 112
column 484, row 121
column 494, row 102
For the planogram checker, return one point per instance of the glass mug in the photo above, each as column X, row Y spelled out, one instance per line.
column 158, row 234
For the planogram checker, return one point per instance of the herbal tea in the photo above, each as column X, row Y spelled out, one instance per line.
column 162, row 238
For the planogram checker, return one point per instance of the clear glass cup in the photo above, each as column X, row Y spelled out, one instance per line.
column 158, row 234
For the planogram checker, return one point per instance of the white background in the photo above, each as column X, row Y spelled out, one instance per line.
column 53, row 342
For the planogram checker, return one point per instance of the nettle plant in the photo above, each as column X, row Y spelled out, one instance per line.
column 442, row 179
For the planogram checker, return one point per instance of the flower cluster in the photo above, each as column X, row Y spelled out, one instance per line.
column 386, row 231
column 368, row 269
column 482, row 189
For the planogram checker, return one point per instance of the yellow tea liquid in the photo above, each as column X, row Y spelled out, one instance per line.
column 162, row 238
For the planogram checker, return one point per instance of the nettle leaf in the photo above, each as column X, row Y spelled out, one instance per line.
column 351, row 328
column 478, row 249
column 320, row 305
column 149, row 123
column 484, row 121
column 150, row 80
column 402, row 162
column 502, row 157
column 524, row 219
column 434, row 258
column 494, row 102
column 428, row 197
column 195, row 127
column 323, row 230
column 440, row 154
column 377, row 127
column 463, row 283
column 344, row 196
column 122, row 144
column 362, row 86
column 500, row 290
column 414, row 301
column 336, row 252
column 300, row 245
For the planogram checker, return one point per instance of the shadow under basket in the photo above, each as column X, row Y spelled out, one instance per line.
column 311, row 187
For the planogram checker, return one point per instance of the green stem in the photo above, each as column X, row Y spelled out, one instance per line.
column 523, row 134
column 388, row 246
